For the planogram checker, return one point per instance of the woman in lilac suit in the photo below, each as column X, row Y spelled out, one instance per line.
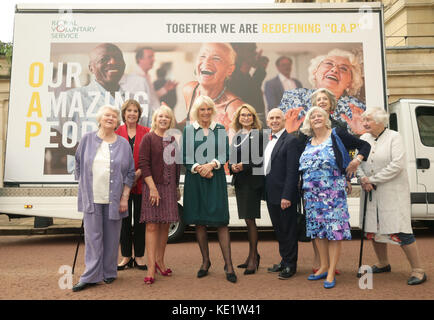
column 104, row 168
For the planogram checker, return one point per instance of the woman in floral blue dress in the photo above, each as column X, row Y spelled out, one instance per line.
column 323, row 166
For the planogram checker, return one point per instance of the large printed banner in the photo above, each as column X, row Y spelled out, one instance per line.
column 66, row 66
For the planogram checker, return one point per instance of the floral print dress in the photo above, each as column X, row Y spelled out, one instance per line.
column 324, row 193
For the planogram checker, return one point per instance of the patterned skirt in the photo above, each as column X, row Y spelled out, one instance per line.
column 327, row 214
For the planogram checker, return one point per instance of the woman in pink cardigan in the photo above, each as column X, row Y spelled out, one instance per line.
column 133, row 133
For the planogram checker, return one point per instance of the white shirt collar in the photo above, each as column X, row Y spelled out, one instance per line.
column 196, row 125
column 282, row 77
column 278, row 134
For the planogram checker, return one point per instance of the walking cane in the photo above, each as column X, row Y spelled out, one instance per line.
column 359, row 274
column 76, row 249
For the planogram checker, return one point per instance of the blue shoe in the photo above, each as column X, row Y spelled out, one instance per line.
column 329, row 285
column 318, row 277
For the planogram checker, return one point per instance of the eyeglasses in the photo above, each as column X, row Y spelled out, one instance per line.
column 329, row 64
column 246, row 115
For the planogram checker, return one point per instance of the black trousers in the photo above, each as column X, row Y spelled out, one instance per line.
column 130, row 235
column 285, row 228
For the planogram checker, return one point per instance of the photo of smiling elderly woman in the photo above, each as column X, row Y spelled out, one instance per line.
column 214, row 65
column 339, row 71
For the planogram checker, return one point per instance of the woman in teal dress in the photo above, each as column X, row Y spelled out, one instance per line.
column 205, row 151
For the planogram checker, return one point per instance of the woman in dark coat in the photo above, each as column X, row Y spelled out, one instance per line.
column 245, row 163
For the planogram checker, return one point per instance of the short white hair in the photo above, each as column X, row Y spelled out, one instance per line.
column 101, row 110
column 378, row 114
column 306, row 128
column 356, row 69
column 199, row 102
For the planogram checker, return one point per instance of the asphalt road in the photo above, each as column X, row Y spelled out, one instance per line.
column 31, row 269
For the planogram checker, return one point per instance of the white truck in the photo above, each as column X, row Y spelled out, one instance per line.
column 51, row 57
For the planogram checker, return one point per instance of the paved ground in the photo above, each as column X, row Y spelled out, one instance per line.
column 30, row 264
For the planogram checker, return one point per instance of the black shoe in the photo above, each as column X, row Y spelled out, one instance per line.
column 203, row 272
column 129, row 264
column 415, row 281
column 286, row 273
column 242, row 266
column 253, row 271
column 140, row 267
column 81, row 286
column 275, row 268
column 249, row 271
column 109, row 280
column 231, row 277
column 376, row 269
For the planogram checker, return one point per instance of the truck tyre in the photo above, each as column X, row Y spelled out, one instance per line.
column 176, row 229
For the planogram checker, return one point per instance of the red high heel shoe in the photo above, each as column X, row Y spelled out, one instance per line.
column 149, row 280
column 165, row 273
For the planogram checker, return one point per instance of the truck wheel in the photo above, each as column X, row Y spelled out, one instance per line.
column 176, row 229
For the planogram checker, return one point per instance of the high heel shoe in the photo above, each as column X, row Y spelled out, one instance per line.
column 165, row 273
column 231, row 277
column 203, row 272
column 252, row 271
column 149, row 280
column 129, row 264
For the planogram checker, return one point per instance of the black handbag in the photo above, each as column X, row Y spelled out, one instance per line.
column 301, row 223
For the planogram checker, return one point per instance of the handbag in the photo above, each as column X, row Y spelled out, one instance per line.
column 301, row 223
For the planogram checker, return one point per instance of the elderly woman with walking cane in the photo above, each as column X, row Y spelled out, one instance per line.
column 104, row 168
column 388, row 213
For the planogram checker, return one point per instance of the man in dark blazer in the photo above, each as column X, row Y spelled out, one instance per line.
column 281, row 161
column 275, row 87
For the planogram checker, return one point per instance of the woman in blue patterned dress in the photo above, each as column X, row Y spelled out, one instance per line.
column 323, row 167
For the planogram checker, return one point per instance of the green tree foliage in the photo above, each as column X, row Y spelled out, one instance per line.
column 6, row 50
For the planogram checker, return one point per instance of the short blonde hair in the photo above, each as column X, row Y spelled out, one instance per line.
column 199, row 102
column 127, row 104
column 163, row 109
column 306, row 128
column 235, row 124
column 378, row 114
column 356, row 69
column 100, row 113
column 328, row 93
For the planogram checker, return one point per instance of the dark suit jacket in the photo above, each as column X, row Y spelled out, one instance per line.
column 282, row 180
column 255, row 141
column 274, row 91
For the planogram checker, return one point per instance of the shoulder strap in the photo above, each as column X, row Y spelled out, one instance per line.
column 191, row 100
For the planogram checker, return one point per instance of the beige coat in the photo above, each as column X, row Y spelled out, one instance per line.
column 386, row 168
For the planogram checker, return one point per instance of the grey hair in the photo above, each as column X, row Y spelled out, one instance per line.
column 328, row 93
column 306, row 128
column 378, row 114
column 356, row 69
column 100, row 113
column 199, row 102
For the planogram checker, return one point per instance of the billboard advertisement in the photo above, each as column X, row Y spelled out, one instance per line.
column 68, row 64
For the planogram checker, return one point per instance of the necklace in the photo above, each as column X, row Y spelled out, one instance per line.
column 237, row 145
column 220, row 95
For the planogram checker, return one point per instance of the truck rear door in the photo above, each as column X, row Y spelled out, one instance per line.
column 423, row 123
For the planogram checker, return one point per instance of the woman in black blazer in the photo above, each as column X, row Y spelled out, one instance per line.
column 245, row 164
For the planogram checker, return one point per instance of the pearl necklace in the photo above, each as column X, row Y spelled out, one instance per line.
column 237, row 145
